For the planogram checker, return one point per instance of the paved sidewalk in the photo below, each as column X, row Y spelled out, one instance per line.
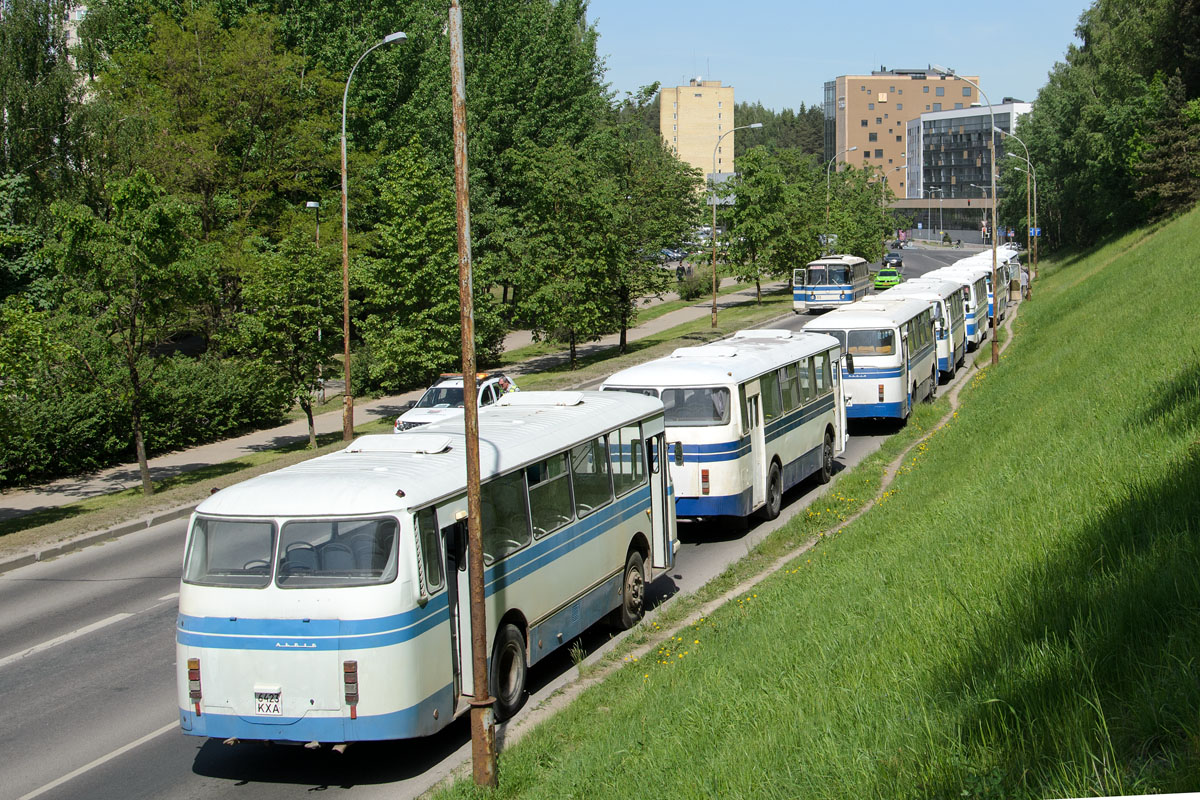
column 19, row 502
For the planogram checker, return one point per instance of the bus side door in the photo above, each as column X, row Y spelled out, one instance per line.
column 752, row 424
column 458, row 587
column 662, row 515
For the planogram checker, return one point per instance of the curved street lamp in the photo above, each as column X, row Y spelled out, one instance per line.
column 827, row 166
column 716, row 147
column 1031, row 173
column 348, row 397
column 938, row 68
column 1030, row 222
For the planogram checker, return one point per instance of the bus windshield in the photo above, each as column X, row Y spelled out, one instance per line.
column 871, row 343
column 337, row 553
column 697, row 407
column 828, row 274
column 441, row 397
column 230, row 553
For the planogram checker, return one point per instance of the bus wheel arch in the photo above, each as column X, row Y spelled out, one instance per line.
column 509, row 667
column 632, row 605
column 774, row 494
column 825, row 473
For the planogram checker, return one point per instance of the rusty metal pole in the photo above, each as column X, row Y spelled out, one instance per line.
column 483, row 736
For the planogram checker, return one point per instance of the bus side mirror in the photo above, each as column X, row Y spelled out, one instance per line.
column 849, row 364
column 679, row 454
column 456, row 540
column 410, row 404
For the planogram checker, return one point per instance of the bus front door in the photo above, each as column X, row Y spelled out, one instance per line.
column 458, row 599
column 758, row 445
column 662, row 513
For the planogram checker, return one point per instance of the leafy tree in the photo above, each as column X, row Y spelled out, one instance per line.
column 802, row 129
column 758, row 221
column 1168, row 168
column 409, row 282
column 129, row 282
column 293, row 311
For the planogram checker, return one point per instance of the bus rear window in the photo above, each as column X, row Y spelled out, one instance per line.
column 871, row 343
column 331, row 553
column 230, row 553
column 696, row 407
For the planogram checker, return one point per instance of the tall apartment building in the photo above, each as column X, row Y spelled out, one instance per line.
column 871, row 113
column 692, row 117
column 948, row 150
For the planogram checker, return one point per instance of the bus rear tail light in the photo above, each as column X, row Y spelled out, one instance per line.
column 881, row 392
column 704, row 481
column 350, row 681
column 194, row 693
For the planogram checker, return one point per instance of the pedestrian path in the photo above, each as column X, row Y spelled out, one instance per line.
column 19, row 502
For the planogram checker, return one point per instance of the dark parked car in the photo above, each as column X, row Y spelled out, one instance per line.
column 893, row 260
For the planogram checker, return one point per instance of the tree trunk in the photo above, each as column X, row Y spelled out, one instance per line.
column 573, row 359
column 139, row 443
column 306, row 405
column 758, row 290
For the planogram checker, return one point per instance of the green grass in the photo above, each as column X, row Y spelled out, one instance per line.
column 1019, row 616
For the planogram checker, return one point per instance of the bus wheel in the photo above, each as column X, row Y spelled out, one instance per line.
column 506, row 675
column 633, row 592
column 826, row 473
column 774, row 494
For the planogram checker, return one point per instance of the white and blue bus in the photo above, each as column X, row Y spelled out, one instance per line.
column 829, row 282
column 890, row 355
column 976, row 281
column 328, row 601
column 747, row 418
column 947, row 300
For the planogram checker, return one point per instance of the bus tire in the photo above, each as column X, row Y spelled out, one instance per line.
column 826, row 472
column 633, row 592
column 770, row 509
column 506, row 673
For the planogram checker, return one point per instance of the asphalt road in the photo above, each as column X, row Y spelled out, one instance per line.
column 87, row 671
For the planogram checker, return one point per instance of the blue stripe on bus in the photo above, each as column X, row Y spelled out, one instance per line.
column 333, row 634
column 729, row 505
column 733, row 450
column 943, row 364
column 871, row 410
column 417, row 720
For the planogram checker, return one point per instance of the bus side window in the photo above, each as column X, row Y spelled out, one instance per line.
column 806, row 380
column 590, row 477
column 625, row 455
column 549, row 494
column 771, row 401
column 505, row 516
column 431, row 550
column 824, row 379
column 787, row 382
column 745, row 409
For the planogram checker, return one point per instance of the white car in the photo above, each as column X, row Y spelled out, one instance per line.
column 444, row 400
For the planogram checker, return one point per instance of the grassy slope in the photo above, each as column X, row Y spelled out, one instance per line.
column 1020, row 616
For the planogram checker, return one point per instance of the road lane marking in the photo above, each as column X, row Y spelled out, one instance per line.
column 66, row 637
column 120, row 751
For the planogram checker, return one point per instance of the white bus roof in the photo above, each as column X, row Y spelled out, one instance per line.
column 963, row 275
column 844, row 258
column 923, row 287
column 877, row 312
column 369, row 475
column 745, row 355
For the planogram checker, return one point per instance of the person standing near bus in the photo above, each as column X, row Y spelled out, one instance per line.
column 1024, row 282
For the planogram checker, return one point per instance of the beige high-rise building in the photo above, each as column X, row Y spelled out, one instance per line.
column 692, row 117
column 871, row 113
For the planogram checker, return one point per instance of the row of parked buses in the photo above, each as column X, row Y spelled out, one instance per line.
column 327, row 602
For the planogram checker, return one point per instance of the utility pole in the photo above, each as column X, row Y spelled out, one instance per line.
column 483, row 734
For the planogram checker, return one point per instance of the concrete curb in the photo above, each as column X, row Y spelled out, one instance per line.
column 95, row 537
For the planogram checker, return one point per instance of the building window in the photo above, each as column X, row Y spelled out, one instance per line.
column 925, row 89
column 866, row 154
column 864, row 123
column 937, row 106
column 966, row 91
column 878, row 153
column 879, row 120
column 927, row 106
column 870, row 106
column 885, row 116
column 872, row 137
column 941, row 90
column 891, row 88
column 899, row 106
column 718, row 104
column 958, row 105
column 898, row 139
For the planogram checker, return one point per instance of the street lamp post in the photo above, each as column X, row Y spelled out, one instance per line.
column 713, row 233
column 941, row 195
column 1033, row 174
column 1029, row 224
column 315, row 206
column 832, row 161
column 992, row 173
column 348, row 397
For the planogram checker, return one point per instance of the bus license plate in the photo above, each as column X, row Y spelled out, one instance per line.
column 267, row 704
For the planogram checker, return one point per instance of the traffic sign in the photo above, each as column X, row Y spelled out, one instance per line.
column 1037, row 231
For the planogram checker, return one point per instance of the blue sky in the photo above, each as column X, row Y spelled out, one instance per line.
column 780, row 53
